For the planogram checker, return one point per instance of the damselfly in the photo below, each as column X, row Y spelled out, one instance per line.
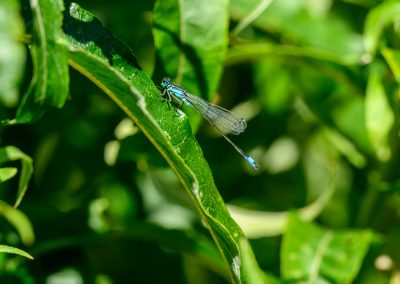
column 222, row 119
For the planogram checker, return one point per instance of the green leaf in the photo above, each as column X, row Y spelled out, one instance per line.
column 13, row 250
column 191, row 40
column 12, row 52
column 20, row 222
column 314, row 255
column 50, row 82
column 254, row 274
column 111, row 65
column 379, row 115
column 392, row 57
column 376, row 21
column 11, row 153
column 7, row 173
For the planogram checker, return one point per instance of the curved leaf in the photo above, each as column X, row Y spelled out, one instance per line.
column 13, row 250
column 20, row 222
column 50, row 82
column 392, row 57
column 11, row 153
column 379, row 115
column 12, row 53
column 112, row 66
column 377, row 19
column 7, row 173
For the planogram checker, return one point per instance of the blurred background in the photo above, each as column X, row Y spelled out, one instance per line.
column 319, row 90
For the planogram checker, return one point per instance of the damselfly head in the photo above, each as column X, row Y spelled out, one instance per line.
column 165, row 82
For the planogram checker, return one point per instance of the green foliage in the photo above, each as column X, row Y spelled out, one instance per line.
column 12, row 52
column 121, row 187
column 14, row 216
column 309, row 252
column 50, row 79
column 11, row 153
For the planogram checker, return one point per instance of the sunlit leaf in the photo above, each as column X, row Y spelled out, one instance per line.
column 379, row 115
column 11, row 153
column 111, row 65
column 13, row 250
column 7, row 173
column 12, row 52
column 253, row 273
column 377, row 19
column 315, row 255
column 19, row 221
column 392, row 57
column 50, row 82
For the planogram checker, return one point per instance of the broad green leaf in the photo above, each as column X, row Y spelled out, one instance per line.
column 19, row 221
column 13, row 250
column 12, row 52
column 377, row 19
column 7, row 173
column 11, row 153
column 191, row 39
column 50, row 82
column 314, row 255
column 379, row 115
column 392, row 57
column 111, row 65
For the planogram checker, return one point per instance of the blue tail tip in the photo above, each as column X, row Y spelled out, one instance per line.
column 253, row 163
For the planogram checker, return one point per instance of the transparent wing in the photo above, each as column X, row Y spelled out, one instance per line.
column 223, row 119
